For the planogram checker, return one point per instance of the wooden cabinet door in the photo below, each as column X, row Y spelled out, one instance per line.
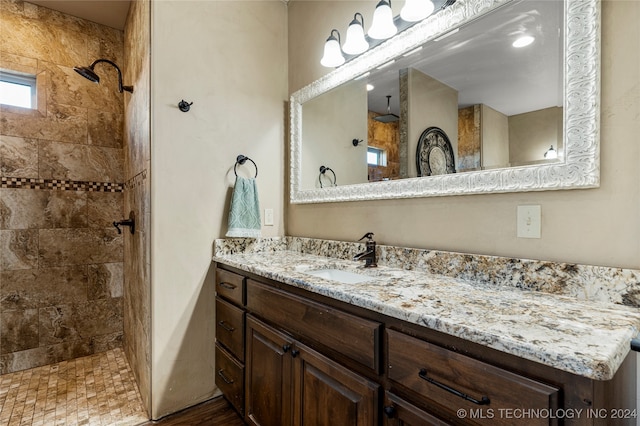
column 328, row 394
column 268, row 375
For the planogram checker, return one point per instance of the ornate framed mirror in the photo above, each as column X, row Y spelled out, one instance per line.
column 578, row 102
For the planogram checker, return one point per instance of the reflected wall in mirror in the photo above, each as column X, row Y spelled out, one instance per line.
column 332, row 121
column 501, row 107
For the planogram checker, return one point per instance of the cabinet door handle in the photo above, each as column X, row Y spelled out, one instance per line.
column 295, row 353
column 483, row 401
column 390, row 411
column 285, row 348
column 227, row 285
column 225, row 326
column 225, row 378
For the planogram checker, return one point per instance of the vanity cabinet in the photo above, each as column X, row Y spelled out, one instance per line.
column 304, row 358
column 289, row 383
column 230, row 329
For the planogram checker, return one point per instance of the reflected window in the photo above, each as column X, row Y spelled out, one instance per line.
column 376, row 157
column 18, row 89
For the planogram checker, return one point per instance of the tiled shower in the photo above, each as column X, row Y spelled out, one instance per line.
column 68, row 169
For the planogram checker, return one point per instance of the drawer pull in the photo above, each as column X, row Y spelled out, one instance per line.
column 285, row 348
column 225, row 378
column 227, row 285
column 483, row 401
column 225, row 326
column 295, row 353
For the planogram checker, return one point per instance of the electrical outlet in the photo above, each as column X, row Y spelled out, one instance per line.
column 529, row 218
column 268, row 217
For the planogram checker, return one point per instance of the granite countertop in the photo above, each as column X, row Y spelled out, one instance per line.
column 584, row 338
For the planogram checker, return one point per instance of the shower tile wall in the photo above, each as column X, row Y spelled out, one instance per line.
column 61, row 170
column 137, row 198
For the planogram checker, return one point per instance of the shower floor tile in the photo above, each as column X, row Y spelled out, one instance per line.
column 96, row 390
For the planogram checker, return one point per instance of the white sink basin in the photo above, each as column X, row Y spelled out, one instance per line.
column 339, row 275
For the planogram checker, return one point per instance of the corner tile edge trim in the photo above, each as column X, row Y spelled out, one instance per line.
column 136, row 180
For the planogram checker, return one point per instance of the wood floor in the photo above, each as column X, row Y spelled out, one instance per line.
column 216, row 411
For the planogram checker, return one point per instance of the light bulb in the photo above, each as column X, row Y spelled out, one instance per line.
column 382, row 26
column 416, row 10
column 355, row 43
column 551, row 153
column 332, row 54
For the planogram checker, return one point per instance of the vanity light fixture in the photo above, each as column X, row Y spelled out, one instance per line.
column 416, row 10
column 551, row 153
column 523, row 41
column 355, row 43
column 332, row 54
column 370, row 87
column 382, row 26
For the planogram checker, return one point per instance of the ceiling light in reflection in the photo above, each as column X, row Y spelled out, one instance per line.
column 523, row 41
column 370, row 87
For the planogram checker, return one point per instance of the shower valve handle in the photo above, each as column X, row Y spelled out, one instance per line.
column 131, row 223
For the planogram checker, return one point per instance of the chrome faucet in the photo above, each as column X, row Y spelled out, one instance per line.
column 369, row 255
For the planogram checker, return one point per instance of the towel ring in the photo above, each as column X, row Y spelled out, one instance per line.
column 241, row 159
column 323, row 170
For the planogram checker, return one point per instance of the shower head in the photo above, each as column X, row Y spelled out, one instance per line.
column 388, row 117
column 89, row 74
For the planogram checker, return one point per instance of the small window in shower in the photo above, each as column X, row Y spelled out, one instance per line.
column 18, row 89
column 376, row 157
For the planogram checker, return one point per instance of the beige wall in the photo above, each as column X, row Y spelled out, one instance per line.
column 229, row 59
column 331, row 146
column 595, row 226
column 495, row 138
column 430, row 104
column 61, row 166
column 532, row 133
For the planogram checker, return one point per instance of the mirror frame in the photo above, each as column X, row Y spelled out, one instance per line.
column 581, row 165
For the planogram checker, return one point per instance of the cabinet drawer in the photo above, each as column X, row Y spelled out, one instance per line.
column 349, row 335
column 453, row 381
column 230, row 286
column 230, row 328
column 230, row 378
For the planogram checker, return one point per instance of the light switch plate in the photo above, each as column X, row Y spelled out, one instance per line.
column 529, row 218
column 268, row 217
